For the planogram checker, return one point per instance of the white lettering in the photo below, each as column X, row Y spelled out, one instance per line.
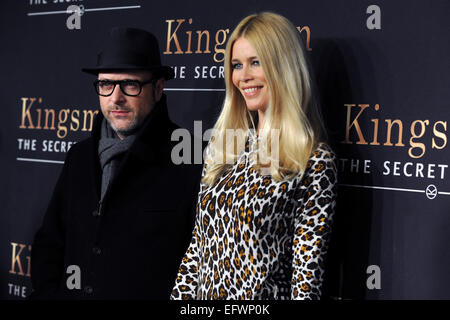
column 74, row 280
column 366, row 166
column 374, row 280
column 374, row 20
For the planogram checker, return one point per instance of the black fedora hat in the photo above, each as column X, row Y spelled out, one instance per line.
column 131, row 49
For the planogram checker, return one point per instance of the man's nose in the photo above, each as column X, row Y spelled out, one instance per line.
column 117, row 95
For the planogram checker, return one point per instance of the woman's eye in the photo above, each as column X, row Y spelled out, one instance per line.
column 255, row 62
column 236, row 66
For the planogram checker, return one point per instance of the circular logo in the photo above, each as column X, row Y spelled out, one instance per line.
column 431, row 192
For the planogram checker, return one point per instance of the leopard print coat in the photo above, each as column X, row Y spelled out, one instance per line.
column 256, row 238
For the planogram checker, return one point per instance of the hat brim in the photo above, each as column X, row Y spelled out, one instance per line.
column 165, row 72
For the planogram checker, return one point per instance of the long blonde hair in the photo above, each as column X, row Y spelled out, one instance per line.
column 291, row 109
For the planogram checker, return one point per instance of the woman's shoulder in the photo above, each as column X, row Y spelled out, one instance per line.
column 323, row 152
column 321, row 165
column 321, row 161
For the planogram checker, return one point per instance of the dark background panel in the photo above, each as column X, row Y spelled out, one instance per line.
column 382, row 219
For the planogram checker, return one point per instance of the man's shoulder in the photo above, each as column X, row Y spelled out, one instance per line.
column 172, row 126
column 81, row 148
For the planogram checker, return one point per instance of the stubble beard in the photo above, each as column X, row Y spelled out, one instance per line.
column 129, row 130
column 135, row 124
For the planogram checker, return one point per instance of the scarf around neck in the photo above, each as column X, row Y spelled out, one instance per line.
column 110, row 151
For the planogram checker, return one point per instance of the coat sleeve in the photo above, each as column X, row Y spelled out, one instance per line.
column 47, row 254
column 316, row 196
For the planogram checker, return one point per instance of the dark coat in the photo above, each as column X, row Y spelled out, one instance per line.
column 133, row 248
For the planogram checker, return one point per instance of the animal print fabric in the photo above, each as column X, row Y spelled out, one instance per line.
column 255, row 238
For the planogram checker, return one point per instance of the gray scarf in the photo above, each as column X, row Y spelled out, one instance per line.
column 110, row 151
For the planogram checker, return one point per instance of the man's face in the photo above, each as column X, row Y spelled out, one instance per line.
column 126, row 113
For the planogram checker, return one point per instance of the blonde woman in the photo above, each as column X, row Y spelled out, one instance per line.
column 268, row 193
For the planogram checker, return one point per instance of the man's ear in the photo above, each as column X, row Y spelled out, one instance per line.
column 159, row 86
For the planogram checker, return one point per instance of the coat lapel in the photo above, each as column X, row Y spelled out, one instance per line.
column 95, row 168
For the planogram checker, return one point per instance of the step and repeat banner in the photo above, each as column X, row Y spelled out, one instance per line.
column 382, row 69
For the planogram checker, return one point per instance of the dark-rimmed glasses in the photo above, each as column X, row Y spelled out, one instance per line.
column 129, row 87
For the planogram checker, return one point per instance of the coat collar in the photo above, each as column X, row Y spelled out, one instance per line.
column 153, row 141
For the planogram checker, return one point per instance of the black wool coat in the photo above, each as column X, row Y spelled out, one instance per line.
column 132, row 248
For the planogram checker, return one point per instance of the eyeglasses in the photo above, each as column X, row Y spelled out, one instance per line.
column 131, row 88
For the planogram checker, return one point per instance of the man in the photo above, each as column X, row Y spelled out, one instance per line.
column 121, row 214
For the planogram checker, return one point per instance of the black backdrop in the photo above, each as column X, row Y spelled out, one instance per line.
column 383, row 77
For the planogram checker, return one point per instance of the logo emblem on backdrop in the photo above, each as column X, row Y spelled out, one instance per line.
column 431, row 192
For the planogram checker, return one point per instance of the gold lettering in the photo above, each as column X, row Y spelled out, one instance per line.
column 75, row 120
column 47, row 112
column 390, row 123
column 219, row 43
column 199, row 44
column 26, row 113
column 189, row 33
column 375, row 128
column 63, row 115
column 308, row 36
column 53, row 119
column 39, row 111
column 413, row 144
column 91, row 114
column 16, row 259
column 173, row 36
column 28, row 274
column 375, row 133
column 440, row 135
column 354, row 123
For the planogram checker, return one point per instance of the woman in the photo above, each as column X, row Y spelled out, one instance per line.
column 262, row 227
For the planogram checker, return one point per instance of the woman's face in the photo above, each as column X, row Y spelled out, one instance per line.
column 248, row 75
